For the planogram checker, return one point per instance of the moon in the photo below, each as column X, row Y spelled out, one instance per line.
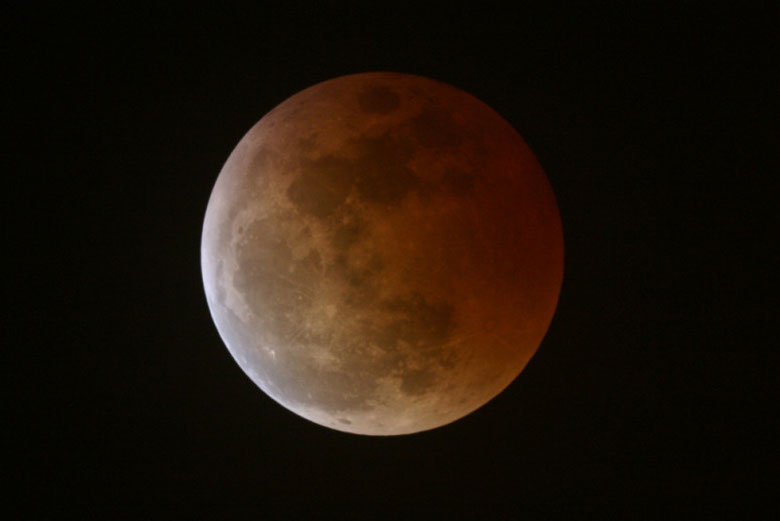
column 382, row 254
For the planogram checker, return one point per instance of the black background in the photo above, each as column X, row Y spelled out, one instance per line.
column 649, row 392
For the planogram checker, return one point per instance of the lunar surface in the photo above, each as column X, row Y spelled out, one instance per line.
column 382, row 254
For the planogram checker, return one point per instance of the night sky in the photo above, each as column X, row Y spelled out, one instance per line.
column 650, row 392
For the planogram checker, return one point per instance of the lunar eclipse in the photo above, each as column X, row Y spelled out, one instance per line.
column 382, row 253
